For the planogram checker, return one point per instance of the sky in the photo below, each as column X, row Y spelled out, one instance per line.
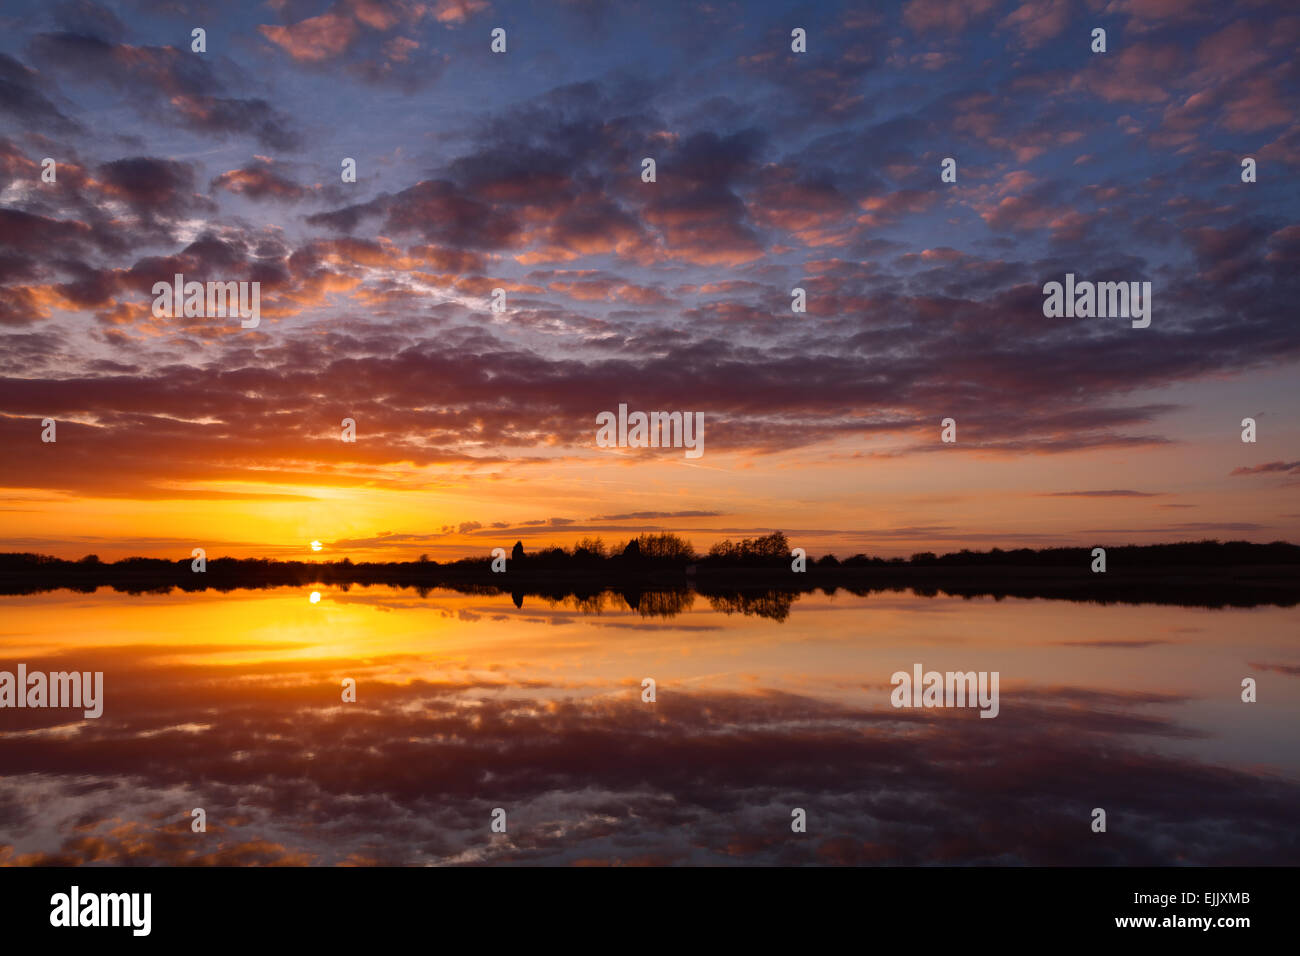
column 522, row 171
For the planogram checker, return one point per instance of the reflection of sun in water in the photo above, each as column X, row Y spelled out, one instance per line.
column 315, row 597
column 315, row 545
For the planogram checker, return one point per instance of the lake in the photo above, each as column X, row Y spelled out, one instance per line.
column 466, row 705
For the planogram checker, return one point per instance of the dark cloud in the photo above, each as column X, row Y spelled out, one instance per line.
column 1272, row 467
column 1118, row 644
column 659, row 514
column 153, row 186
column 167, row 80
column 1291, row 670
column 23, row 98
column 1117, row 493
column 87, row 18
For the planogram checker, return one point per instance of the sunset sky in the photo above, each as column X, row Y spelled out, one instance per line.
column 522, row 171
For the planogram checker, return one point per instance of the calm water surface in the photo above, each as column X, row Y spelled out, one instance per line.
column 232, row 702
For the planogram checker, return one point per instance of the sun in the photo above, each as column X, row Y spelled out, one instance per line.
column 315, row 545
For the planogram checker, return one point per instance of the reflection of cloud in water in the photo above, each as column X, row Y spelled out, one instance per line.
column 411, row 772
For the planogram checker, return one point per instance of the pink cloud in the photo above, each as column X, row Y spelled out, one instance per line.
column 947, row 16
column 314, row 39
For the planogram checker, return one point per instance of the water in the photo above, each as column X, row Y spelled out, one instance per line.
column 232, row 703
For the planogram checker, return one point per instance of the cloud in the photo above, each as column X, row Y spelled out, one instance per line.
column 1291, row 670
column 792, row 171
column 1272, row 467
column 153, row 186
column 376, row 41
column 163, row 80
column 945, row 16
column 1118, row 644
column 23, row 98
column 314, row 39
column 659, row 514
column 1117, row 493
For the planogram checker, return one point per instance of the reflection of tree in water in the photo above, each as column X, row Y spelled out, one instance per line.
column 585, row 602
column 659, row 603
column 771, row 603
column 592, row 603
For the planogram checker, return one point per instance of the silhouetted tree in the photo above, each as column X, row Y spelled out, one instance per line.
column 665, row 546
column 589, row 550
column 769, row 549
